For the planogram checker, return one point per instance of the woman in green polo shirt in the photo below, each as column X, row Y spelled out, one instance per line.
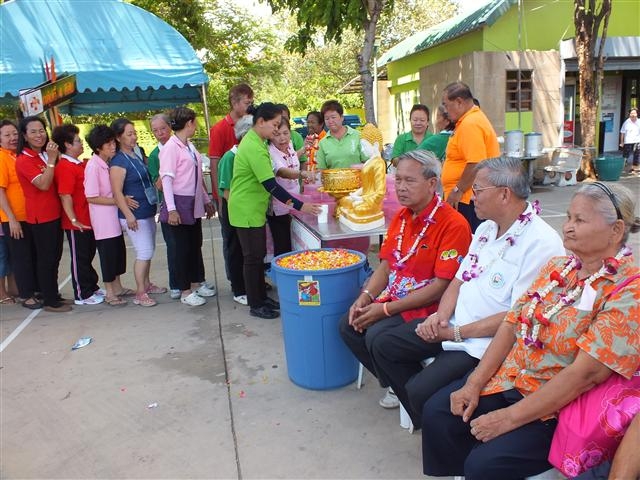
column 419, row 119
column 438, row 143
column 252, row 185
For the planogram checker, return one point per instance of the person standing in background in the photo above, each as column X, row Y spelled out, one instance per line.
column 630, row 141
column 341, row 147
column 221, row 136
column 444, row 129
column 76, row 222
column 405, row 142
column 473, row 140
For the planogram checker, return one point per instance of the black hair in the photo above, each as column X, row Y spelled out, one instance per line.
column 318, row 115
column 22, row 130
column 99, row 136
column 6, row 122
column 266, row 110
column 284, row 109
column 419, row 107
column 331, row 105
column 458, row 90
column 118, row 126
column 64, row 134
column 179, row 117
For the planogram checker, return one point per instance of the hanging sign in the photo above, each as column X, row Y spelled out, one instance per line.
column 43, row 97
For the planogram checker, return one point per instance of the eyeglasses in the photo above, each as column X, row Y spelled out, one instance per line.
column 475, row 188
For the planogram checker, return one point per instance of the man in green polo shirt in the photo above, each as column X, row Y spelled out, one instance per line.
column 340, row 148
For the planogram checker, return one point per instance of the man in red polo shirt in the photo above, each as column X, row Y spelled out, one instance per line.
column 425, row 244
column 222, row 136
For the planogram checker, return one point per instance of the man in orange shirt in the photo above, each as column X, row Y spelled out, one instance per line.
column 473, row 140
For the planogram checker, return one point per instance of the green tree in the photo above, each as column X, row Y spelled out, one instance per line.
column 590, row 18
column 335, row 17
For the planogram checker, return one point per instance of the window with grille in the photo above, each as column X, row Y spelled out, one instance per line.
column 519, row 91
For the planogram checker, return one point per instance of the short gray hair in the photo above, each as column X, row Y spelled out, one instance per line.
column 507, row 172
column 161, row 116
column 431, row 166
column 605, row 205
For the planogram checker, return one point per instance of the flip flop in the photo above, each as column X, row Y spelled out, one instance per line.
column 114, row 301
column 126, row 292
column 7, row 301
column 36, row 305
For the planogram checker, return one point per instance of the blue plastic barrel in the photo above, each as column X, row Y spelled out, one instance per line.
column 311, row 304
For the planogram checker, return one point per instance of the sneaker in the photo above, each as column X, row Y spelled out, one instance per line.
column 59, row 308
column 264, row 312
column 144, row 300
column 193, row 300
column 205, row 291
column 101, row 292
column 241, row 299
column 389, row 400
column 271, row 303
column 94, row 299
column 175, row 293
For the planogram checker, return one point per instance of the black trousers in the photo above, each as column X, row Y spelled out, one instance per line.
column 232, row 251
column 280, row 226
column 361, row 343
column 113, row 257
column 23, row 256
column 631, row 148
column 47, row 238
column 254, row 247
column 82, row 249
column 448, row 448
column 397, row 354
column 468, row 211
column 170, row 243
column 188, row 254
column 447, row 366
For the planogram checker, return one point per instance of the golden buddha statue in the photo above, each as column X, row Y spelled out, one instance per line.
column 362, row 209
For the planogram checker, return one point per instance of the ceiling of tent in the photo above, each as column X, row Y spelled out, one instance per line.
column 124, row 58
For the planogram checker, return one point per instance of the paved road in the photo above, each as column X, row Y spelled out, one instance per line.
column 225, row 406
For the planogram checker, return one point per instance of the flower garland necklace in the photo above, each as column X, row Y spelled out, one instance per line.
column 400, row 261
column 609, row 266
column 523, row 220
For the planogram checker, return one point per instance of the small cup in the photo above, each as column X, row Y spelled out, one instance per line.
column 323, row 216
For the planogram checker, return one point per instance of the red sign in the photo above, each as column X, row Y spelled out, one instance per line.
column 568, row 131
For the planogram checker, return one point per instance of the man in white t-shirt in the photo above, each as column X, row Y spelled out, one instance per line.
column 505, row 255
column 630, row 140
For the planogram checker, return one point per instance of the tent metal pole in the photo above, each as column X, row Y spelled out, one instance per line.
column 203, row 92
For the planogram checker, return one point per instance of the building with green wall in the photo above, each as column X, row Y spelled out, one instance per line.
column 520, row 62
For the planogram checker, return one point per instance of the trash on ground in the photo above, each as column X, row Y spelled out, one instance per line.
column 82, row 342
column 153, row 405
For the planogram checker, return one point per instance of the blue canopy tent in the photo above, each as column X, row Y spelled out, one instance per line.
column 124, row 58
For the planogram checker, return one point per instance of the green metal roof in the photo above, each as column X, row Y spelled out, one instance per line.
column 486, row 14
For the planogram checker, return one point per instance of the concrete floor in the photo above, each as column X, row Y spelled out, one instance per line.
column 225, row 406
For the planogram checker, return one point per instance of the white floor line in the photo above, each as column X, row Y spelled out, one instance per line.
column 27, row 321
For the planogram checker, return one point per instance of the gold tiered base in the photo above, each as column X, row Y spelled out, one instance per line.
column 340, row 179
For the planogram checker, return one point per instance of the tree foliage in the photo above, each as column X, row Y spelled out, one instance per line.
column 590, row 18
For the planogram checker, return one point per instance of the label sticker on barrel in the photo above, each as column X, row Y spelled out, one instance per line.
column 308, row 292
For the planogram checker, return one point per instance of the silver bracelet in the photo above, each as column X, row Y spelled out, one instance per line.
column 456, row 334
column 369, row 293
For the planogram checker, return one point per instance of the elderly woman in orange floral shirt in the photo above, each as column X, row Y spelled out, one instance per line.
column 575, row 327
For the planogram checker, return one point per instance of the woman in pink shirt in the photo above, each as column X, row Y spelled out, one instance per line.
column 104, row 213
column 286, row 167
column 185, row 203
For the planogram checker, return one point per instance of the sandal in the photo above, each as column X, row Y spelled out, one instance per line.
column 144, row 300
column 36, row 305
column 126, row 292
column 7, row 301
column 154, row 289
column 114, row 301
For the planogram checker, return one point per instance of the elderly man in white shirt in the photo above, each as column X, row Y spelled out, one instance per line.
column 506, row 254
column 630, row 140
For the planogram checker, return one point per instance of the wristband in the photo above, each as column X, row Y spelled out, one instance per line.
column 369, row 293
column 51, row 165
column 385, row 309
column 456, row 334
